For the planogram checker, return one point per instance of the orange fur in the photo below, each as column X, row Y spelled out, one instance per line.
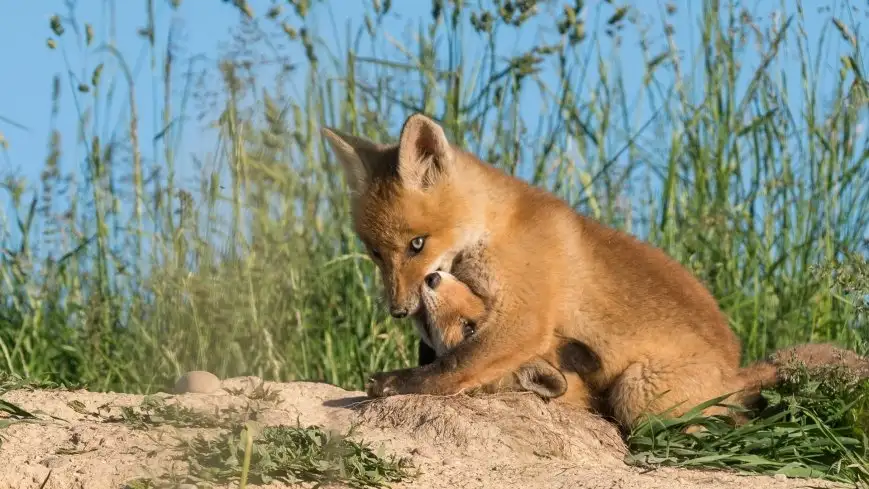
column 451, row 315
column 543, row 271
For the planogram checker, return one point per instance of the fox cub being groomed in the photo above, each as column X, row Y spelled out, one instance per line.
column 450, row 314
column 543, row 271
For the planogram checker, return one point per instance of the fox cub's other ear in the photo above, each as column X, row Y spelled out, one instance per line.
column 356, row 155
column 540, row 377
column 424, row 153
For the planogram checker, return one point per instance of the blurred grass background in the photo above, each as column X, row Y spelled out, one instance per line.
column 139, row 255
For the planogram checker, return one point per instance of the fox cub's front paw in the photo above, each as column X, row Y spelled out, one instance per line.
column 382, row 384
column 404, row 381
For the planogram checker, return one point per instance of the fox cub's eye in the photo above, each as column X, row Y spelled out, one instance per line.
column 417, row 243
column 375, row 254
column 468, row 328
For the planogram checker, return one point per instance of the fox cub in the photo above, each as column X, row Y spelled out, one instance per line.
column 544, row 273
column 450, row 314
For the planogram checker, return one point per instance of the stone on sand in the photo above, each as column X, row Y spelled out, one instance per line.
column 197, row 381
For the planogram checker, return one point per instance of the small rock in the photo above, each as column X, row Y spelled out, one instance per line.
column 51, row 462
column 197, row 381
column 781, row 477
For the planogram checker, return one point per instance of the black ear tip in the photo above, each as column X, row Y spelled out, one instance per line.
column 432, row 280
column 578, row 357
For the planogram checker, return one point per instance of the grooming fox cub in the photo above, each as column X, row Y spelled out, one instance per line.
column 543, row 271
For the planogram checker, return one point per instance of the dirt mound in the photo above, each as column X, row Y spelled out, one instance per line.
column 509, row 425
column 98, row 440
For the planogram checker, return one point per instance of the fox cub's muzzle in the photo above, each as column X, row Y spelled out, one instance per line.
column 403, row 300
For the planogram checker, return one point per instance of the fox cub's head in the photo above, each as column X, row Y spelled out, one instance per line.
column 450, row 311
column 411, row 207
column 450, row 315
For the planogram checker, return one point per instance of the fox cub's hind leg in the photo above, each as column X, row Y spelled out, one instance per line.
column 655, row 386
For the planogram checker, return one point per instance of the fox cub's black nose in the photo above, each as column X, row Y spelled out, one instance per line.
column 398, row 313
column 433, row 280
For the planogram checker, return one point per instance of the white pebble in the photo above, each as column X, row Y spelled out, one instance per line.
column 197, row 381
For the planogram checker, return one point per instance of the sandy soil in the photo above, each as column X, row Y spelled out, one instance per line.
column 506, row 441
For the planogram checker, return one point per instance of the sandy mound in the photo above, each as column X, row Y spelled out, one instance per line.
column 87, row 440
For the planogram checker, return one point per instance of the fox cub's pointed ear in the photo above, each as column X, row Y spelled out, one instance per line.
column 355, row 155
column 424, row 153
column 543, row 379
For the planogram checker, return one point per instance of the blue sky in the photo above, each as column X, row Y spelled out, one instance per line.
column 25, row 102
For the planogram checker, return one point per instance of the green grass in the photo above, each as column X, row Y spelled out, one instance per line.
column 261, row 455
column 815, row 424
column 12, row 413
column 140, row 255
column 291, row 455
column 243, row 451
column 153, row 411
column 10, row 382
